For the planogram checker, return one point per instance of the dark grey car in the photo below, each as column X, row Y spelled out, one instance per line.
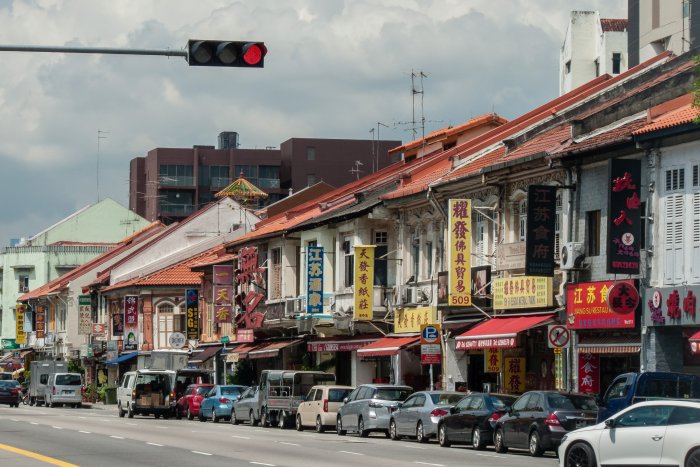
column 368, row 408
column 245, row 407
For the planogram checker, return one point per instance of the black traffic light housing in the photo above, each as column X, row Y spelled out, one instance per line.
column 226, row 53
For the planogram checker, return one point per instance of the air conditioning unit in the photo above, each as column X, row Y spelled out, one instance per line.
column 409, row 295
column 572, row 256
column 292, row 306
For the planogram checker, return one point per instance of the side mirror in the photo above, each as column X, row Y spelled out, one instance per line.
column 399, row 405
column 345, row 400
column 599, row 401
column 454, row 410
column 238, row 397
column 610, row 423
column 508, row 409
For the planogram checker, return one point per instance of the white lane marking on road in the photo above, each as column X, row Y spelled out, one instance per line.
column 354, row 453
column 413, row 447
column 235, row 436
column 57, row 427
column 155, row 444
column 133, row 424
column 164, row 427
column 33, row 423
column 14, row 420
column 262, row 463
column 492, row 455
column 86, row 432
column 289, row 444
column 428, row 463
column 202, row 453
column 117, row 437
column 43, row 413
column 103, row 420
column 82, row 418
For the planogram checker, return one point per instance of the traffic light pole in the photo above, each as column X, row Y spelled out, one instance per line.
column 92, row 50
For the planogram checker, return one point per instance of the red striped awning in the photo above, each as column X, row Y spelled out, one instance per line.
column 387, row 346
column 271, row 349
column 610, row 345
column 498, row 332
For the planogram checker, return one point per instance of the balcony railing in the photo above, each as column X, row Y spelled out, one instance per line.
column 219, row 182
column 176, row 209
column 268, row 183
column 176, row 180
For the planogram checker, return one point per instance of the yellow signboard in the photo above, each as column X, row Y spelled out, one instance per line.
column 492, row 360
column 411, row 319
column 522, row 292
column 514, row 369
column 21, row 337
column 364, row 282
column 460, row 251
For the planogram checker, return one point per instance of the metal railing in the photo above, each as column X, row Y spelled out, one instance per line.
column 176, row 180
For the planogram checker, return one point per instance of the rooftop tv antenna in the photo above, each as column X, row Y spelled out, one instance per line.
column 417, row 92
column 356, row 169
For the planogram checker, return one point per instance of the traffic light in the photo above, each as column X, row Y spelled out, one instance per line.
column 226, row 53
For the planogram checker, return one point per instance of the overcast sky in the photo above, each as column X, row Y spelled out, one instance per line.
column 334, row 69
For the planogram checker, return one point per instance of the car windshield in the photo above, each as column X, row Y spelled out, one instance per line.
column 501, row 402
column 446, row 399
column 337, row 395
column 202, row 390
column 392, row 394
column 571, row 402
column 68, row 380
column 8, row 384
column 230, row 390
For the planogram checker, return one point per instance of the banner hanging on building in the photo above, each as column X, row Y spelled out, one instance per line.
column 20, row 335
column 541, row 228
column 624, row 216
column 364, row 282
column 223, row 303
column 522, row 292
column 131, row 322
column 411, row 319
column 587, row 307
column 459, row 258
column 40, row 321
column 192, row 306
column 514, row 372
column 314, row 279
column 589, row 373
column 84, row 314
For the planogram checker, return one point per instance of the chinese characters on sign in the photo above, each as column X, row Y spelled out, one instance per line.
column 411, row 319
column 21, row 337
column 541, row 224
column 459, row 261
column 522, row 292
column 587, row 306
column 192, row 304
column 364, row 282
column 673, row 305
column 223, row 294
column 131, row 322
column 40, row 321
column 492, row 360
column 514, row 369
column 249, row 277
column 624, row 216
column 314, row 279
column 588, row 373
column 84, row 315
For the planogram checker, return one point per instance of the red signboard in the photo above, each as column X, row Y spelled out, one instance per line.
column 588, row 373
column 623, row 298
column 245, row 335
column 587, row 306
column 40, row 321
column 98, row 328
column 485, row 343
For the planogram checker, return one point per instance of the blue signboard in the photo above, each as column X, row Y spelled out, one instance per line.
column 314, row 279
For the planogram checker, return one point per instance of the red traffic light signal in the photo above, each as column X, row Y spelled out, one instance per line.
column 226, row 53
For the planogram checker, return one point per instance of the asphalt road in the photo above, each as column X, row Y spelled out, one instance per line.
column 97, row 437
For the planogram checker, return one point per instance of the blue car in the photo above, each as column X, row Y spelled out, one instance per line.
column 218, row 402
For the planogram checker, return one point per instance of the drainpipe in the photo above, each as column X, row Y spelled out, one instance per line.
column 572, row 177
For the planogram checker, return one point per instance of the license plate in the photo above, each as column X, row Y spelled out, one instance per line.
column 69, row 392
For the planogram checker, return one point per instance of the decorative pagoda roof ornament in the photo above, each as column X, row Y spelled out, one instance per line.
column 242, row 190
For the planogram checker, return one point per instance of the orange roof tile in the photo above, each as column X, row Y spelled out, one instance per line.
column 684, row 115
column 613, row 25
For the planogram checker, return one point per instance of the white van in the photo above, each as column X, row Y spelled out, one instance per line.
column 64, row 388
column 147, row 392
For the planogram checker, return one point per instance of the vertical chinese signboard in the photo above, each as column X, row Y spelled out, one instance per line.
column 492, row 360
column 223, row 294
column 364, row 282
column 459, row 261
column 541, row 221
column 84, row 314
column 21, row 337
column 40, row 322
column 588, row 373
column 131, row 322
column 624, row 216
column 314, row 279
column 514, row 369
column 192, row 304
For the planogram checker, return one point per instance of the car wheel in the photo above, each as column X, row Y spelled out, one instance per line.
column 234, row 420
column 157, row 415
column 420, row 433
column 264, row 419
column 202, row 417
column 129, row 411
column 361, row 428
column 477, row 443
column 251, row 418
column 581, row 455
column 299, row 426
column 214, row 416
column 178, row 413
column 498, row 442
column 189, row 414
column 442, row 436
column 393, row 432
column 319, row 425
column 121, row 411
column 534, row 445
column 693, row 459
column 339, row 427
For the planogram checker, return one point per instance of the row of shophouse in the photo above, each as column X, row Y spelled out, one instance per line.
column 554, row 250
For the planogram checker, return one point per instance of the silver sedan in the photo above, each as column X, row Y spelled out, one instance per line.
column 419, row 415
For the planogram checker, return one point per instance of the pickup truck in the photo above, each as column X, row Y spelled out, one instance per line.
column 630, row 388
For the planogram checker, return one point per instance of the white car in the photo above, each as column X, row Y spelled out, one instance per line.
column 662, row 432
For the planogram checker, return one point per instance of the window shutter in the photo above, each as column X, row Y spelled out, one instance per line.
column 673, row 241
column 695, row 237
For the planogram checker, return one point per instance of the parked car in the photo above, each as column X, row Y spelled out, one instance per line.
column 320, row 407
column 473, row 419
column 219, row 401
column 147, row 392
column 64, row 388
column 420, row 414
column 184, row 377
column 10, row 392
column 538, row 420
column 5, row 376
column 188, row 403
column 630, row 388
column 246, row 407
column 368, row 408
column 648, row 433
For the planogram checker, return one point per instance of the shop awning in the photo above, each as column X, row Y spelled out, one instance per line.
column 201, row 356
column 695, row 337
column 339, row 343
column 243, row 349
column 271, row 349
column 387, row 346
column 600, row 345
column 122, row 358
column 498, row 332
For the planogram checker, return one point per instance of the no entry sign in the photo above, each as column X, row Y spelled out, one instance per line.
column 558, row 336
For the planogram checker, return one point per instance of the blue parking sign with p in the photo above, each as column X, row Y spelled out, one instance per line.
column 430, row 334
